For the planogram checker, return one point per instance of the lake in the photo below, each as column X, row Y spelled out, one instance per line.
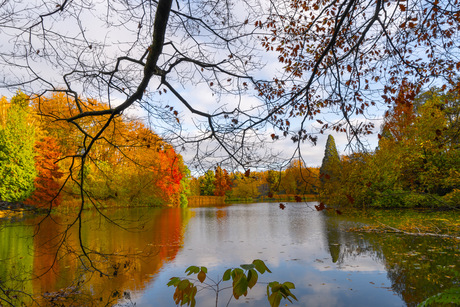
column 328, row 265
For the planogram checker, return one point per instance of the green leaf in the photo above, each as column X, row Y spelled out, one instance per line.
column 192, row 269
column 289, row 285
column 252, row 278
column 285, row 292
column 275, row 286
column 274, row 299
column 192, row 296
column 204, row 269
column 236, row 273
column 240, row 286
column 293, row 296
column 247, row 266
column 260, row 266
column 227, row 275
column 173, row 281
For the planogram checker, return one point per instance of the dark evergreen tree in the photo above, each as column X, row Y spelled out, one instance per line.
column 329, row 174
column 330, row 167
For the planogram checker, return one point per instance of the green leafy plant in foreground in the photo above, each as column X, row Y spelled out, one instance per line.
column 449, row 297
column 243, row 279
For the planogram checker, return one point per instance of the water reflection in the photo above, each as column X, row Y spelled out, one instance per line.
column 329, row 266
column 128, row 258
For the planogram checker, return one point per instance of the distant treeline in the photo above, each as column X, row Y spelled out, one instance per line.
column 295, row 180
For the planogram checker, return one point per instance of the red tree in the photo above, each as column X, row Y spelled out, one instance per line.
column 222, row 183
column 46, row 184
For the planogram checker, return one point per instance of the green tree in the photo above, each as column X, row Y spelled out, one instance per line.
column 288, row 181
column 418, row 158
column 207, row 186
column 245, row 187
column 17, row 165
column 185, row 187
column 195, row 187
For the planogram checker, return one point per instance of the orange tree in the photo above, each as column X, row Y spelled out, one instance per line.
column 47, row 186
column 222, row 181
column 129, row 165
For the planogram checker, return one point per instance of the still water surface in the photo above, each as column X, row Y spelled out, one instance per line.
column 328, row 265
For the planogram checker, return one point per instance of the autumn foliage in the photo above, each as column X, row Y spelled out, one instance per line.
column 127, row 165
column 291, row 184
column 416, row 163
column 47, row 183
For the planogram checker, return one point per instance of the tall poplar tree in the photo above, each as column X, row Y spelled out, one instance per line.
column 17, row 165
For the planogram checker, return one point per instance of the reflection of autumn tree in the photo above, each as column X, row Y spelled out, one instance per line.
column 334, row 241
column 48, row 264
column 344, row 246
column 418, row 267
column 158, row 242
column 17, row 258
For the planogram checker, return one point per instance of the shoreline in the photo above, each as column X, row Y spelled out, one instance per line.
column 13, row 209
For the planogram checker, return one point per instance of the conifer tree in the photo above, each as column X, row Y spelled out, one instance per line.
column 331, row 162
column 17, row 165
column 329, row 174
